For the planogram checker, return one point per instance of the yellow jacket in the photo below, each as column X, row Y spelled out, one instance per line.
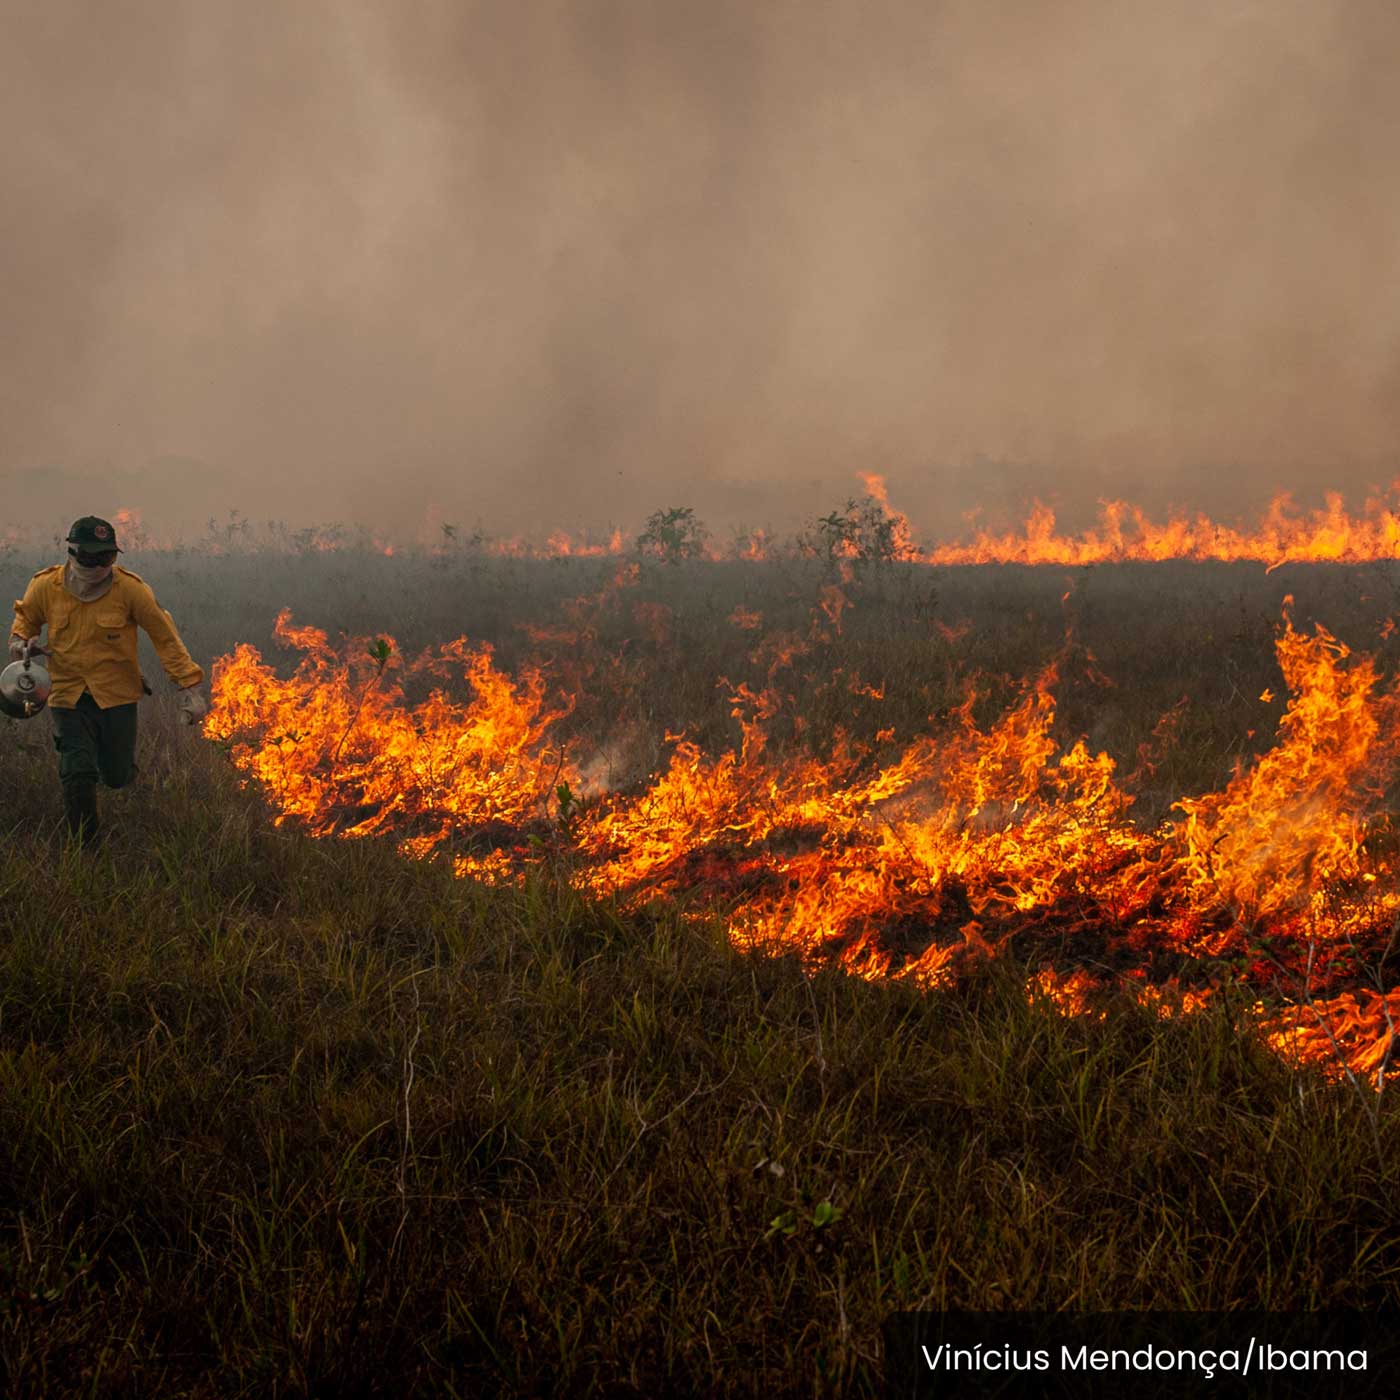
column 93, row 645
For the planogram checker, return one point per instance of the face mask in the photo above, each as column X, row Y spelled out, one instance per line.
column 86, row 582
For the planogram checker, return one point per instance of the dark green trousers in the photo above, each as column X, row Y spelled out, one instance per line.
column 93, row 744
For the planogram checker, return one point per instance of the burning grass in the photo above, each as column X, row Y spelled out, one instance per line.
column 908, row 866
column 1282, row 532
column 284, row 1114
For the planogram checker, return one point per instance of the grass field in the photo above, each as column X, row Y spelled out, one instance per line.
column 288, row 1116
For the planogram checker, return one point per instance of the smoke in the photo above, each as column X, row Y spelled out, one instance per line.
column 566, row 262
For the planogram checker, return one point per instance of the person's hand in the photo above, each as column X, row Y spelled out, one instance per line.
column 22, row 647
column 193, row 705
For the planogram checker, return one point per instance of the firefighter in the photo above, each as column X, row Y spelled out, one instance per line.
column 92, row 608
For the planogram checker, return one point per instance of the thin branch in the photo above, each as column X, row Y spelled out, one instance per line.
column 359, row 705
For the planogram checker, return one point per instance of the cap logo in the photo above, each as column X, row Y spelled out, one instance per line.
column 101, row 531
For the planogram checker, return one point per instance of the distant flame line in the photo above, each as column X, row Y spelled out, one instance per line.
column 1123, row 533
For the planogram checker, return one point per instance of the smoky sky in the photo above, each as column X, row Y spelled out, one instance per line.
column 545, row 264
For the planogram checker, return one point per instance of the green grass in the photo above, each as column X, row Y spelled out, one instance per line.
column 287, row 1117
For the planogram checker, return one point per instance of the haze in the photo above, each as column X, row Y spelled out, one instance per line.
column 548, row 264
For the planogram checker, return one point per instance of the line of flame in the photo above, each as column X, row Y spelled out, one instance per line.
column 968, row 841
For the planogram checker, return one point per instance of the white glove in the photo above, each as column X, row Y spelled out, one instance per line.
column 193, row 705
column 20, row 647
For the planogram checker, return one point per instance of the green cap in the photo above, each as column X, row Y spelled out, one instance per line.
column 94, row 536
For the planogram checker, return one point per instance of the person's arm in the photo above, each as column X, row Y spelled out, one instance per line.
column 30, row 616
column 160, row 628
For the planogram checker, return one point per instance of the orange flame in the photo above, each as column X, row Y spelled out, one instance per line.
column 338, row 746
column 972, row 840
column 1124, row 532
column 901, row 532
column 1283, row 533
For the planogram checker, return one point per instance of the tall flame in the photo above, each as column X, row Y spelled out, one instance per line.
column 338, row 745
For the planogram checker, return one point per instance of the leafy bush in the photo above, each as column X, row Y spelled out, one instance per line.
column 673, row 535
column 862, row 532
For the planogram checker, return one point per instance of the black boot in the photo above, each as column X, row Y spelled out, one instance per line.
column 80, row 808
